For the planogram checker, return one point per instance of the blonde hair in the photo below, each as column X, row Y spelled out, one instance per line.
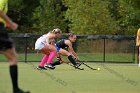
column 57, row 30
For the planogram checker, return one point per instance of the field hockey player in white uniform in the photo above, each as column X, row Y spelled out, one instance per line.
column 46, row 45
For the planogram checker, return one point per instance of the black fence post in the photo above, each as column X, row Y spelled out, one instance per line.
column 137, row 54
column 26, row 42
column 104, row 50
column 26, row 46
column 134, row 49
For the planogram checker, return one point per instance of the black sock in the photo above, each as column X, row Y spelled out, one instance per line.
column 71, row 60
column 55, row 63
column 14, row 76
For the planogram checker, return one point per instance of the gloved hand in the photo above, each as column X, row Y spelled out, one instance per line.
column 59, row 58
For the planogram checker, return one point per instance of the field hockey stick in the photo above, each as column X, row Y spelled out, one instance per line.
column 78, row 67
column 88, row 66
column 69, row 63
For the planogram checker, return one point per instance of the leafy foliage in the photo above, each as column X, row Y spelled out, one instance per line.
column 89, row 17
column 48, row 16
column 115, row 17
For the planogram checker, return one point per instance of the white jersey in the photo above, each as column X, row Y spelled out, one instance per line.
column 41, row 42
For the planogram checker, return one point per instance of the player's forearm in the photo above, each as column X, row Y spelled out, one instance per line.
column 73, row 53
column 5, row 17
column 76, row 56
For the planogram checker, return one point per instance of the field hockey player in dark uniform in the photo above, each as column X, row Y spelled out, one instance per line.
column 67, row 43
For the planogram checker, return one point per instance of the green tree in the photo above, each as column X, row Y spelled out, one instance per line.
column 129, row 21
column 89, row 17
column 81, row 16
column 21, row 12
column 113, row 6
column 49, row 15
column 15, row 6
column 134, row 3
column 125, row 16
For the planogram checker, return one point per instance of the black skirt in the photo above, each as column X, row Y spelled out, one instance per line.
column 5, row 41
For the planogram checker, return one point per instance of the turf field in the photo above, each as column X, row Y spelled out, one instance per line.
column 112, row 78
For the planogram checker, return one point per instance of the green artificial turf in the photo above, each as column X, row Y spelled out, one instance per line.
column 112, row 78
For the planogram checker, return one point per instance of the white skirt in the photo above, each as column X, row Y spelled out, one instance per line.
column 39, row 44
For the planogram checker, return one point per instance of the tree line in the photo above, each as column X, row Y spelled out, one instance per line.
column 102, row 17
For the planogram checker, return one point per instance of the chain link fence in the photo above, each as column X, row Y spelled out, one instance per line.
column 91, row 48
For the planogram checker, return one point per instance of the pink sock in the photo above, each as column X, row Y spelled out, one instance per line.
column 51, row 57
column 44, row 60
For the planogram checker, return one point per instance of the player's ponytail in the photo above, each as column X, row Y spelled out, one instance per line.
column 57, row 30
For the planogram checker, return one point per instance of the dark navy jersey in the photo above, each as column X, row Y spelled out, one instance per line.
column 61, row 44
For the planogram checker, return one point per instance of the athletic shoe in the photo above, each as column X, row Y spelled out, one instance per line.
column 139, row 64
column 49, row 66
column 21, row 91
column 41, row 68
